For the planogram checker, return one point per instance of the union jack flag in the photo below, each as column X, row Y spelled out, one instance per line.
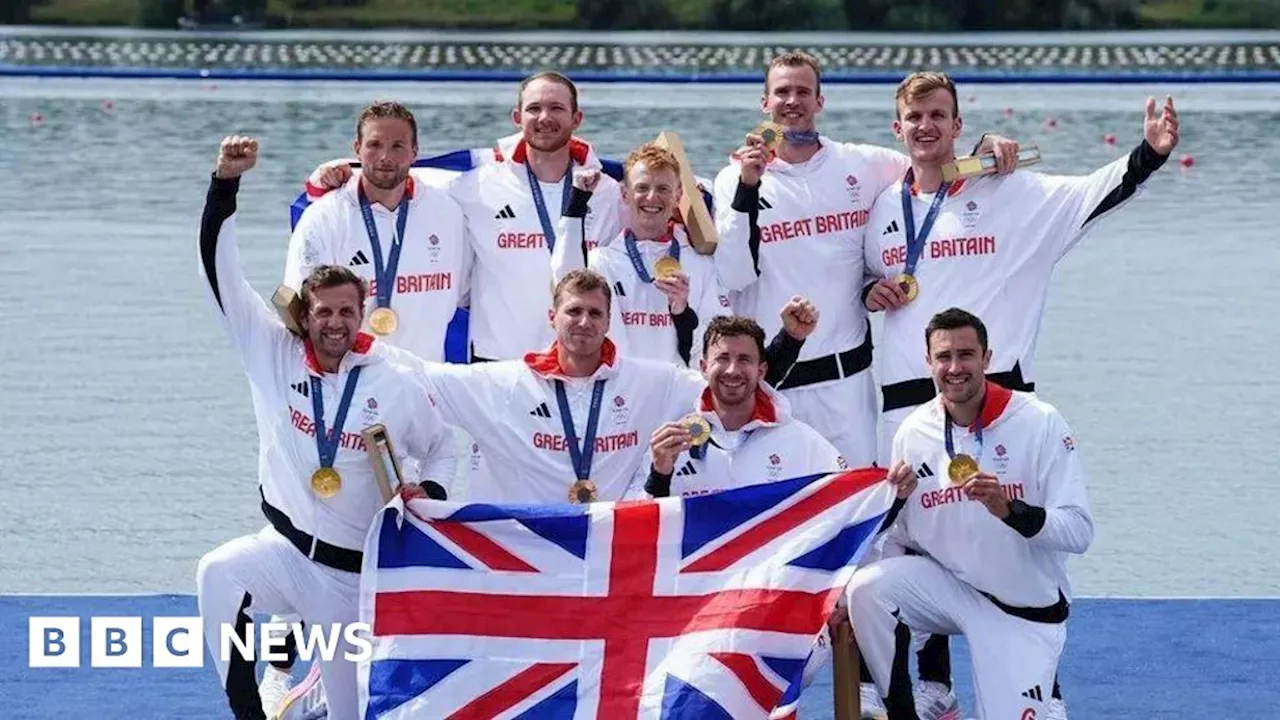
column 697, row 607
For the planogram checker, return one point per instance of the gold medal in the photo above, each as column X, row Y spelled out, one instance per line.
column 384, row 321
column 582, row 491
column 961, row 468
column 326, row 482
column 698, row 427
column 909, row 285
column 666, row 266
column 770, row 132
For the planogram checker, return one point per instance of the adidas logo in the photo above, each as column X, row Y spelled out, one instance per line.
column 764, row 204
column 924, row 471
column 541, row 411
column 359, row 259
column 506, row 213
column 617, row 289
column 302, row 388
column 893, row 228
column 1033, row 694
column 687, row 469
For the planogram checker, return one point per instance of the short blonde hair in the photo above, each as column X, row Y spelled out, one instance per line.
column 655, row 158
column 918, row 84
column 581, row 282
column 795, row 60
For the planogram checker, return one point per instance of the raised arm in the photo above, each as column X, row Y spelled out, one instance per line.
column 463, row 395
column 737, row 202
column 1089, row 198
column 254, row 328
column 570, row 252
column 799, row 320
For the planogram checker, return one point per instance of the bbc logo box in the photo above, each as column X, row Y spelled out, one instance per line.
column 114, row 642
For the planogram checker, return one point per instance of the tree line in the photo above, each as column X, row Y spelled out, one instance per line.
column 757, row 15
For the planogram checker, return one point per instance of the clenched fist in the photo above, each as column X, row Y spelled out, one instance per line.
column 236, row 156
column 586, row 178
column 753, row 156
column 799, row 317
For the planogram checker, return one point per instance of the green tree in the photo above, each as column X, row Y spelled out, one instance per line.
column 620, row 15
column 778, row 15
column 15, row 11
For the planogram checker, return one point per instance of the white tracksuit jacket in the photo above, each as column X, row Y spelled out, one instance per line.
column 811, row 218
column 1028, row 446
column 280, row 367
column 511, row 281
column 435, row 259
column 992, row 252
column 641, row 323
column 772, row 446
column 511, row 409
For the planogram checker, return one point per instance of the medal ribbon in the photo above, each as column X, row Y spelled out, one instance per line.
column 548, row 228
column 580, row 456
column 637, row 262
column 386, row 276
column 915, row 244
column 327, row 442
column 697, row 452
column 950, row 442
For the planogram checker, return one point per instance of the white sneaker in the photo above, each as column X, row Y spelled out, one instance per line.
column 935, row 701
column 1056, row 710
column 272, row 690
column 306, row 701
column 872, row 705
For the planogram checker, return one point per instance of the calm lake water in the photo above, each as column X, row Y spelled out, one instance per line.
column 129, row 445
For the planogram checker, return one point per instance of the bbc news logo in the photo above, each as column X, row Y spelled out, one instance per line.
column 178, row 642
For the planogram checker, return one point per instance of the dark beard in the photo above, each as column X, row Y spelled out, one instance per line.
column 385, row 185
column 553, row 145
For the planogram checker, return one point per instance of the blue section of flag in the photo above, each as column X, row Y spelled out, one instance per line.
column 707, row 517
column 569, row 532
column 565, row 525
column 786, row 668
column 562, row 705
column 407, row 546
column 796, row 684
column 680, row 700
column 840, row 551
column 394, row 682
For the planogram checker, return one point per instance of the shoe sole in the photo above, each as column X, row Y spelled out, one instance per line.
column 299, row 691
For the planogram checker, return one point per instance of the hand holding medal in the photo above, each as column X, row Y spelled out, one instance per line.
column 673, row 438
column 987, row 490
column 676, row 287
column 756, row 154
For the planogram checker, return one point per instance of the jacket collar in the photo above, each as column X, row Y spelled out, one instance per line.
column 952, row 192
column 546, row 364
column 769, row 410
column 516, row 149
column 359, row 354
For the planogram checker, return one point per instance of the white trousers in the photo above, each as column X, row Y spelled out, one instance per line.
column 842, row 411
column 265, row 574
column 1014, row 660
